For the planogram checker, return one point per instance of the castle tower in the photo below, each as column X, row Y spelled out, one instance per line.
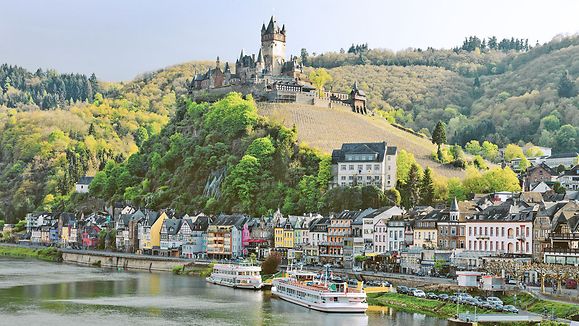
column 273, row 46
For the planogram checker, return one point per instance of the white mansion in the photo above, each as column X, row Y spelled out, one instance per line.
column 364, row 164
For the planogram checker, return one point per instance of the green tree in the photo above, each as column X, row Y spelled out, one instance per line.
column 141, row 135
column 439, row 137
column 551, row 122
column 566, row 138
column 512, row 152
column 325, row 173
column 304, row 56
column 392, row 197
column 410, row 190
column 319, row 78
column 473, row 147
column 490, row 151
column 566, row 87
column 241, row 184
column 427, row 188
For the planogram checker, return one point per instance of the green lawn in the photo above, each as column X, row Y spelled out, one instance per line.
column 527, row 302
column 47, row 254
column 430, row 307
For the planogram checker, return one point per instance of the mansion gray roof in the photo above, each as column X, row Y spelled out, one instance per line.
column 378, row 149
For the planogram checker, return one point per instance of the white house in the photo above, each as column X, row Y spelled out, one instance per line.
column 380, row 243
column 570, row 179
column 396, row 240
column 501, row 229
column 364, row 164
column 371, row 219
column 194, row 231
column 82, row 184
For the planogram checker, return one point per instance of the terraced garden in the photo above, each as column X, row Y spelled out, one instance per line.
column 326, row 129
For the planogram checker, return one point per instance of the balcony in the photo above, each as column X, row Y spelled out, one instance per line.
column 564, row 236
column 562, row 250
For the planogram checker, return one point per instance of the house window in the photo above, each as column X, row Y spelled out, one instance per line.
column 360, row 167
column 343, row 167
column 351, row 167
column 343, row 177
column 376, row 166
column 368, row 166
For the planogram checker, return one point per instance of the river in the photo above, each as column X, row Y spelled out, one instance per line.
column 33, row 292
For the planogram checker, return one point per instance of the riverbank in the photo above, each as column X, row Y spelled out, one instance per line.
column 536, row 305
column 46, row 254
column 433, row 308
column 445, row 310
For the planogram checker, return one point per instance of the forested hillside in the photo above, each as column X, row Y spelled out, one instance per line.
column 55, row 127
column 506, row 94
column 223, row 157
column 22, row 89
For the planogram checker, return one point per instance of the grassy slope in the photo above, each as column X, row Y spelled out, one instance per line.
column 327, row 129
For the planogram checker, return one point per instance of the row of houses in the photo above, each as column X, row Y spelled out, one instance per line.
column 503, row 224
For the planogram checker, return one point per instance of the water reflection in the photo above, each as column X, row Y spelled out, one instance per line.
column 57, row 294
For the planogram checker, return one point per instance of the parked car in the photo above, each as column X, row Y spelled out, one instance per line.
column 498, row 307
column 443, row 297
column 402, row 289
column 411, row 291
column 495, row 300
column 571, row 284
column 485, row 305
column 510, row 308
column 419, row 293
column 453, row 298
column 431, row 295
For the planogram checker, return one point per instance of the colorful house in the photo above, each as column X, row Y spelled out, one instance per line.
column 152, row 243
column 90, row 236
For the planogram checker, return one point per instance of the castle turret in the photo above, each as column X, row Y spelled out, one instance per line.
column 273, row 46
column 217, row 63
column 454, row 211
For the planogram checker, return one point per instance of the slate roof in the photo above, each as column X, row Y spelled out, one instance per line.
column 226, row 220
column 381, row 149
column 574, row 171
column 564, row 155
column 172, row 226
column 85, row 180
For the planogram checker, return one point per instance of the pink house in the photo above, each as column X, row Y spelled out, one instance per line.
column 90, row 236
column 245, row 237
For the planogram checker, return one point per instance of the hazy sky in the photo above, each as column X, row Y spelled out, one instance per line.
column 118, row 39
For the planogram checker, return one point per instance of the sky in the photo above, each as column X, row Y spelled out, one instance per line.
column 120, row 39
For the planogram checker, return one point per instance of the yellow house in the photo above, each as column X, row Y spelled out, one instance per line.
column 278, row 236
column 284, row 234
column 152, row 239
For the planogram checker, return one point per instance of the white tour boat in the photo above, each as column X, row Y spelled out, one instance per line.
column 302, row 288
column 240, row 276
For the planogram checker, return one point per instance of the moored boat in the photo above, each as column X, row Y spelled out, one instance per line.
column 240, row 276
column 304, row 289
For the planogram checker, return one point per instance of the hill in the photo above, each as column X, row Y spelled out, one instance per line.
column 327, row 129
column 511, row 96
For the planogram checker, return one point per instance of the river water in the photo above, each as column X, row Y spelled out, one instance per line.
column 41, row 293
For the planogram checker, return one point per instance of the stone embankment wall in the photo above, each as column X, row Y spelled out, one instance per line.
column 124, row 261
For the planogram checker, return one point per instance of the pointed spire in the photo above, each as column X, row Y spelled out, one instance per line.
column 259, row 56
column 454, row 205
column 271, row 25
column 262, row 28
column 217, row 63
column 226, row 66
column 355, row 86
column 283, row 29
column 241, row 55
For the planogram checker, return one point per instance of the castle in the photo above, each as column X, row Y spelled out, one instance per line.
column 270, row 77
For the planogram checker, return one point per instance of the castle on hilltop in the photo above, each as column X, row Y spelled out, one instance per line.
column 270, row 77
